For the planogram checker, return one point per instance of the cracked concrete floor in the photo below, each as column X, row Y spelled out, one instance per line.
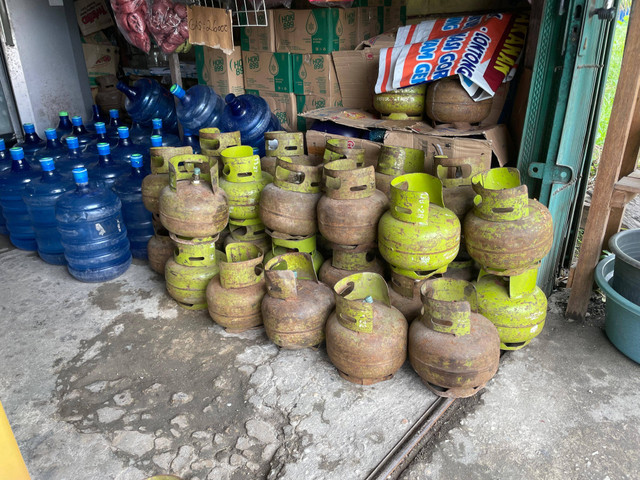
column 114, row 380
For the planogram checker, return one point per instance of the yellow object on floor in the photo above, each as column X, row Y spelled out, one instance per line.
column 12, row 465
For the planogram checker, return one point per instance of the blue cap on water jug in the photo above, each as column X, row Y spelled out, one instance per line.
column 100, row 127
column 2, row 145
column 187, row 132
column 29, row 128
column 136, row 160
column 47, row 164
column 51, row 134
column 104, row 149
column 156, row 140
column 156, row 122
column 114, row 113
column 123, row 132
column 80, row 175
column 177, row 90
column 76, row 120
column 72, row 142
column 16, row 153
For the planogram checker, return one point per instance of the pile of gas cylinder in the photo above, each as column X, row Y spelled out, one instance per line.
column 440, row 268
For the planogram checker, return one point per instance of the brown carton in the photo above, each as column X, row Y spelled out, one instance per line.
column 267, row 71
column 314, row 75
column 222, row 72
column 283, row 106
column 259, row 39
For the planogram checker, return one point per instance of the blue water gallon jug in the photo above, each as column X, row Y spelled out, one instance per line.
column 40, row 196
column 137, row 218
column 114, row 123
column 252, row 117
column 92, row 231
column 54, row 147
column 32, row 142
column 147, row 100
column 75, row 157
column 125, row 148
column 65, row 127
column 12, row 186
column 101, row 137
column 168, row 139
column 96, row 116
column 199, row 107
column 5, row 164
column 107, row 170
column 81, row 133
column 190, row 140
column 140, row 135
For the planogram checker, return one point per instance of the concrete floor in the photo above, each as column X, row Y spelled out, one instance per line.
column 115, row 381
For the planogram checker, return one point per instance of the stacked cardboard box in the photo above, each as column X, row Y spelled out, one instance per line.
column 225, row 73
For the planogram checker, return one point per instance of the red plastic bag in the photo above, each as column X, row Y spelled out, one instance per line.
column 131, row 20
column 167, row 22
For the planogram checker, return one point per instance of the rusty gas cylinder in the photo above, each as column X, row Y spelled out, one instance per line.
column 515, row 305
column 404, row 293
column 395, row 161
column 350, row 208
column 243, row 181
column 506, row 232
column 417, row 234
column 154, row 183
column 366, row 336
column 453, row 349
column 280, row 144
column 251, row 231
column 448, row 102
column 213, row 142
column 191, row 205
column 288, row 205
column 347, row 260
column 160, row 249
column 339, row 148
column 234, row 295
column 187, row 274
column 455, row 175
column 401, row 104
column 296, row 306
column 282, row 243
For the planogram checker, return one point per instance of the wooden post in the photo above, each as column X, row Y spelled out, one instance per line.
column 176, row 77
column 614, row 152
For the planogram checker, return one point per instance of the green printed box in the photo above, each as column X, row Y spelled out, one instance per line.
column 308, row 31
column 259, row 38
column 267, row 72
column 222, row 72
column 314, row 75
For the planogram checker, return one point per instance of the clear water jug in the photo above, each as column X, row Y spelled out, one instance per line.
column 54, row 147
column 107, row 170
column 114, row 123
column 81, row 133
column 92, row 231
column 40, row 196
column 147, row 100
column 199, row 107
column 65, row 127
column 125, row 148
column 137, row 218
column 190, row 140
column 32, row 141
column 12, row 185
column 168, row 139
column 75, row 157
column 96, row 116
column 101, row 137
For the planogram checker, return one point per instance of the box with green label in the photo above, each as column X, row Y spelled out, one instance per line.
column 314, row 75
column 394, row 17
column 258, row 38
column 222, row 72
column 283, row 106
column 322, row 30
column 307, row 103
column 268, row 72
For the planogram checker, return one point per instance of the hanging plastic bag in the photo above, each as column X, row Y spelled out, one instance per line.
column 131, row 20
column 167, row 22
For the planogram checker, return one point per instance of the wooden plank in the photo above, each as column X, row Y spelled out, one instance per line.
column 630, row 183
column 618, row 133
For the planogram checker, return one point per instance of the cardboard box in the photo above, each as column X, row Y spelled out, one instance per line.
column 316, row 142
column 92, row 15
column 100, row 60
column 368, row 24
column 393, row 17
column 222, row 72
column 357, row 71
column 268, row 72
column 321, row 30
column 283, row 106
column 259, row 39
column 308, row 103
column 314, row 75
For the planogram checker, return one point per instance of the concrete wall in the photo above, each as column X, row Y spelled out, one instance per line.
column 46, row 65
